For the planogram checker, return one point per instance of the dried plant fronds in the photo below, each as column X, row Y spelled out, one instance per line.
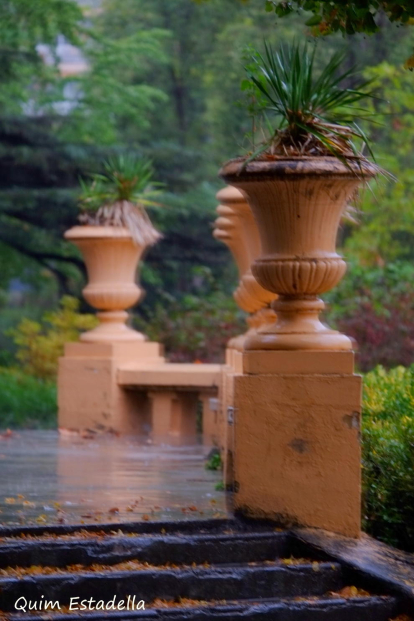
column 119, row 196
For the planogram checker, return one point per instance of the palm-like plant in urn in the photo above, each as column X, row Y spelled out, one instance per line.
column 115, row 230
column 298, row 183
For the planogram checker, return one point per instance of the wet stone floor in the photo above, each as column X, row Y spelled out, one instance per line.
column 46, row 478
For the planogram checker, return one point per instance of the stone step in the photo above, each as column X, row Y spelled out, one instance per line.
column 195, row 583
column 179, row 548
column 197, row 570
column 144, row 528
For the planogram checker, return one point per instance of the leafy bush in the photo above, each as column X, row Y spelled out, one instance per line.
column 26, row 401
column 375, row 306
column 345, row 17
column 194, row 328
column 214, row 463
column 40, row 344
column 388, row 455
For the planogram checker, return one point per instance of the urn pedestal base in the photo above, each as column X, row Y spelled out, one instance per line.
column 258, row 321
column 297, row 327
column 112, row 329
column 296, row 432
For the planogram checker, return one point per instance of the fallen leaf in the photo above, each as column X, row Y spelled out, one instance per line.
column 7, row 434
column 350, row 591
column 41, row 519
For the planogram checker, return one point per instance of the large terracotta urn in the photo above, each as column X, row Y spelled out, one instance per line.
column 111, row 257
column 298, row 204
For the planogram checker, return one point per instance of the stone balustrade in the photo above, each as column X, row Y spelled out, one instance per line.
column 130, row 388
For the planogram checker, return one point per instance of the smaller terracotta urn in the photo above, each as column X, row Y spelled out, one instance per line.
column 111, row 257
column 237, row 228
column 298, row 204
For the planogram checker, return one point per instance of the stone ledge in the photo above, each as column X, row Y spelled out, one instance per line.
column 169, row 374
column 126, row 351
column 390, row 567
column 311, row 362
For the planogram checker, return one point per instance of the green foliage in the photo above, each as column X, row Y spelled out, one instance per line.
column 313, row 111
column 388, row 455
column 375, row 306
column 40, row 344
column 111, row 78
column 214, row 463
column 26, row 401
column 23, row 26
column 39, row 174
column 112, row 100
column 125, row 178
column 386, row 231
column 379, row 285
column 346, row 17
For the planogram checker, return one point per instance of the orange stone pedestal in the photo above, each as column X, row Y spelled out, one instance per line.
column 296, row 427
column 89, row 395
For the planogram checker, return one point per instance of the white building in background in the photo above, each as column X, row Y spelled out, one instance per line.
column 70, row 62
column 70, row 59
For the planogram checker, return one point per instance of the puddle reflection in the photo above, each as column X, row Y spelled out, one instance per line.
column 48, row 478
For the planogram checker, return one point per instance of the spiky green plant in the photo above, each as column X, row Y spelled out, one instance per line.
column 118, row 197
column 315, row 115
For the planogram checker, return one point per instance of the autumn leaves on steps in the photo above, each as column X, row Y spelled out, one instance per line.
column 214, row 569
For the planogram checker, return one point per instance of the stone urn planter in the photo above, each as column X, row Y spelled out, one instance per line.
column 114, row 233
column 111, row 257
column 298, row 203
column 237, row 228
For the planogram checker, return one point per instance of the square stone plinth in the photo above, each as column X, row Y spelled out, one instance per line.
column 296, row 447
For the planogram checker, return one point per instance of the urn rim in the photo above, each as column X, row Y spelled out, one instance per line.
column 291, row 168
column 89, row 231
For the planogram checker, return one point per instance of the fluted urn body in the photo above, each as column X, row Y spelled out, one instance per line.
column 111, row 257
column 298, row 204
column 237, row 228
